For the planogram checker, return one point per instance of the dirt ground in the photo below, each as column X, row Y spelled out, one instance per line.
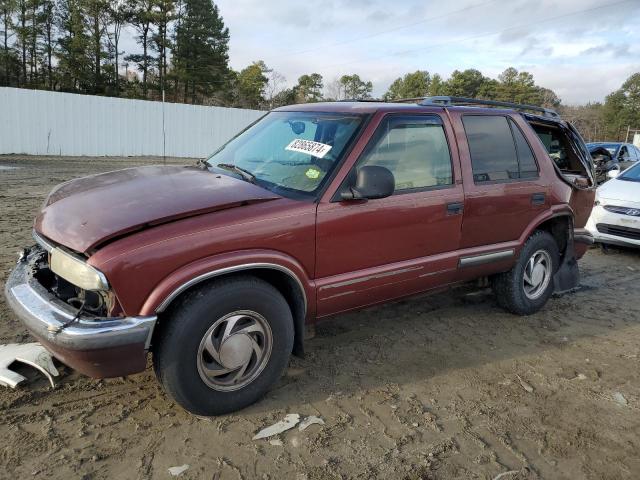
column 423, row 388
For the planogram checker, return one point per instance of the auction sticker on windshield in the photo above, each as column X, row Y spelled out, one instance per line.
column 316, row 149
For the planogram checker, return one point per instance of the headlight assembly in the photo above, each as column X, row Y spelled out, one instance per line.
column 76, row 271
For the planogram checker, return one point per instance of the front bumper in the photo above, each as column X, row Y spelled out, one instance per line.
column 601, row 216
column 97, row 347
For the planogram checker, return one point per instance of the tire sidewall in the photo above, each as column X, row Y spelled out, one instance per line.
column 190, row 321
column 540, row 241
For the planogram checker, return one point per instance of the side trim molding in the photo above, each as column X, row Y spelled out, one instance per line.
column 485, row 258
column 223, row 271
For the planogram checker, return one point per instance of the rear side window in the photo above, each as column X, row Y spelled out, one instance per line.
column 526, row 159
column 414, row 149
column 499, row 150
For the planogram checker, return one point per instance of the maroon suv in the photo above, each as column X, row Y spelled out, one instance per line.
column 313, row 210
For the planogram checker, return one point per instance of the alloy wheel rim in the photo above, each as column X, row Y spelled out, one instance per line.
column 234, row 350
column 537, row 274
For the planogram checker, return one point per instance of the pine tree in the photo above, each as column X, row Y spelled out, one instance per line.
column 201, row 57
column 141, row 17
column 96, row 12
column 164, row 15
column 74, row 60
column 117, row 15
column 48, row 37
column 7, row 8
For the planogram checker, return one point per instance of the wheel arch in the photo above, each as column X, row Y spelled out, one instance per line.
column 284, row 279
column 559, row 224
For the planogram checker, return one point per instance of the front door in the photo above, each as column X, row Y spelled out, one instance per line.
column 376, row 250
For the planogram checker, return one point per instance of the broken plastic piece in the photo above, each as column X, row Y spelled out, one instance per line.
column 288, row 423
column 175, row 471
column 620, row 399
column 524, row 384
column 307, row 422
column 32, row 354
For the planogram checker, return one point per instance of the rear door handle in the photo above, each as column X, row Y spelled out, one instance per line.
column 538, row 199
column 455, row 208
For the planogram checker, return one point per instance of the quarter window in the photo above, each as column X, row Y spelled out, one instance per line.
column 414, row 149
column 526, row 159
column 499, row 150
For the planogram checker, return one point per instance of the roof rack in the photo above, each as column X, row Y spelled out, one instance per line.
column 451, row 101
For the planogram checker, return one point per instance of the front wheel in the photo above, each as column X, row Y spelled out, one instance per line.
column 525, row 288
column 224, row 345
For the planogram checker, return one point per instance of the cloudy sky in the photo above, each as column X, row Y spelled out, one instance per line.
column 582, row 49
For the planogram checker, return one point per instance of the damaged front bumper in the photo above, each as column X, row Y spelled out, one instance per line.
column 95, row 346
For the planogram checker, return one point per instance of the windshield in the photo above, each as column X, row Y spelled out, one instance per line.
column 631, row 174
column 290, row 153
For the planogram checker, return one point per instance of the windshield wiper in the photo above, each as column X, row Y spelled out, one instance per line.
column 246, row 174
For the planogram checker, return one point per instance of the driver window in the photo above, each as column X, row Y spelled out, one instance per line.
column 414, row 149
column 623, row 153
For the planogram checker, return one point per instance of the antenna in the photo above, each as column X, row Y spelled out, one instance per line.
column 164, row 132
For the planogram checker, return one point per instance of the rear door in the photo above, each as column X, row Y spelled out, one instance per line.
column 376, row 250
column 504, row 191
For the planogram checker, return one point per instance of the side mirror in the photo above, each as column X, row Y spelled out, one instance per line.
column 371, row 182
column 613, row 173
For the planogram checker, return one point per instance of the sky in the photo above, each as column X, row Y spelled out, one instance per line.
column 581, row 49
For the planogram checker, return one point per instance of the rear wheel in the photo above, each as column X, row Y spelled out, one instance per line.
column 526, row 288
column 224, row 345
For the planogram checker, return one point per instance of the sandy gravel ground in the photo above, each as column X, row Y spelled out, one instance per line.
column 424, row 388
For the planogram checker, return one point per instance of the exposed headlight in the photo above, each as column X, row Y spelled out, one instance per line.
column 76, row 271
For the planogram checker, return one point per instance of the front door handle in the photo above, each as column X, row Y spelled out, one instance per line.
column 538, row 199
column 455, row 208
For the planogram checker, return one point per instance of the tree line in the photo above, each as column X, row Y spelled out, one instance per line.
column 183, row 51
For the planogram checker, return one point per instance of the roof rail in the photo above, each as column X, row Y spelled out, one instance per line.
column 451, row 101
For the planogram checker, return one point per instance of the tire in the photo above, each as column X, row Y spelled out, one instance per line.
column 517, row 295
column 225, row 325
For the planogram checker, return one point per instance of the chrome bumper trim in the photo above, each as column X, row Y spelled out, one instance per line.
column 40, row 240
column 43, row 314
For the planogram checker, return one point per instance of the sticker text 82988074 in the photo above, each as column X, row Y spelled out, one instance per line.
column 316, row 149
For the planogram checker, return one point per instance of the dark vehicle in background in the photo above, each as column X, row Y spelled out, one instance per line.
column 314, row 210
column 608, row 156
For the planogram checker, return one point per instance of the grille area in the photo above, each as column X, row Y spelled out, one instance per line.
column 634, row 212
column 625, row 232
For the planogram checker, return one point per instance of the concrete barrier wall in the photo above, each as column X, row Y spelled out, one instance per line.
column 37, row 122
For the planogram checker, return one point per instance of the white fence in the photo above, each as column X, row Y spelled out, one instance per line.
column 50, row 123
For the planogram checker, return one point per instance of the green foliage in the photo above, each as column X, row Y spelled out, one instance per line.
column 622, row 108
column 183, row 50
column 355, row 88
column 412, row 85
column 437, row 85
column 467, row 83
column 74, row 61
column 250, row 85
column 201, row 56
column 308, row 89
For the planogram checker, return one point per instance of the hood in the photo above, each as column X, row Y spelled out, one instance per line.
column 625, row 192
column 85, row 213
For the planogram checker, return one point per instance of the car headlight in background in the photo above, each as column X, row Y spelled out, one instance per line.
column 76, row 271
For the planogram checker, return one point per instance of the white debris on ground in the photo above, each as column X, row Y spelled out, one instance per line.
column 311, row 420
column 287, row 423
column 525, row 385
column 175, row 471
column 620, row 399
column 32, row 354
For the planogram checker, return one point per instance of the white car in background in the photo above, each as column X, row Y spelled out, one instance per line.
column 615, row 217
